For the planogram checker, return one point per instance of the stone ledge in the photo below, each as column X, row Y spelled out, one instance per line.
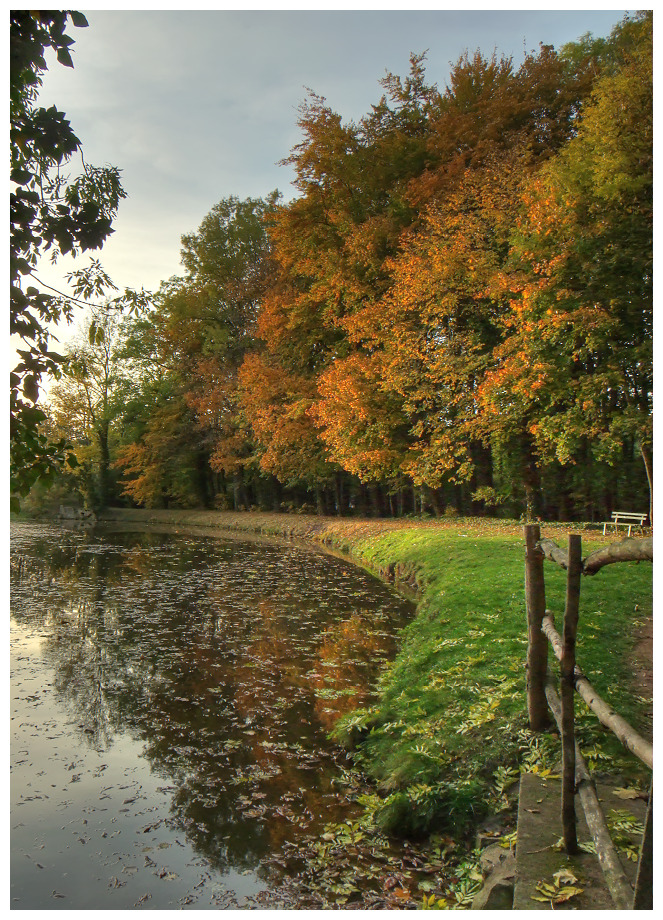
column 538, row 858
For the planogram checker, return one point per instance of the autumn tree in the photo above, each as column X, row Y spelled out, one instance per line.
column 420, row 337
column 575, row 366
column 158, row 446
column 202, row 325
column 458, row 300
column 329, row 250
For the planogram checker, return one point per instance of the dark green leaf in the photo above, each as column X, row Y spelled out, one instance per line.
column 78, row 19
column 64, row 57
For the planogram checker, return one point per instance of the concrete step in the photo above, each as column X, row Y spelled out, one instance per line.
column 538, row 856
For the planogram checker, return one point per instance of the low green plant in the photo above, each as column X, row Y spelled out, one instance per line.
column 623, row 827
column 504, row 779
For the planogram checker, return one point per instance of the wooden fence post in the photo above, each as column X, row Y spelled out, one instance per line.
column 567, row 688
column 644, row 883
column 537, row 643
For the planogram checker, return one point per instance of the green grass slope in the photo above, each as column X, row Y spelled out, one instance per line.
column 450, row 722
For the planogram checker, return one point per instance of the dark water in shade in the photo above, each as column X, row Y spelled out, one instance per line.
column 171, row 698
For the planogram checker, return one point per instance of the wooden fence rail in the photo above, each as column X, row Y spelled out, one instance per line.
column 542, row 699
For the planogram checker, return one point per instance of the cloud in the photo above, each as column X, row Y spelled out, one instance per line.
column 194, row 106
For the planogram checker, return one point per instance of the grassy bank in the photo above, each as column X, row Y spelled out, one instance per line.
column 448, row 731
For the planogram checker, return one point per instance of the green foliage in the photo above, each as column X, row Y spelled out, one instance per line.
column 49, row 214
column 576, row 359
column 625, row 832
column 87, row 401
column 185, row 438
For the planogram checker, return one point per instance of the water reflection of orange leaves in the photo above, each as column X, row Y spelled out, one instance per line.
column 265, row 686
column 346, row 660
column 268, row 663
column 138, row 560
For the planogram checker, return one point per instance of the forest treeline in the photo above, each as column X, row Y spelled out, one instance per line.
column 453, row 314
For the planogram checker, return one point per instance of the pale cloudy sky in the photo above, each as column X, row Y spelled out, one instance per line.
column 194, row 106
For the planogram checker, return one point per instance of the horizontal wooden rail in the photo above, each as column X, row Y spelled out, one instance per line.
column 617, row 882
column 628, row 736
column 628, row 550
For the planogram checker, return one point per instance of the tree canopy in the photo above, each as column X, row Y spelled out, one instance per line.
column 453, row 313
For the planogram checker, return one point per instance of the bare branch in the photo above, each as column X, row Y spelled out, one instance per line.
column 553, row 552
column 628, row 550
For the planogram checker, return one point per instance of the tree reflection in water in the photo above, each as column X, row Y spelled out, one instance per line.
column 228, row 660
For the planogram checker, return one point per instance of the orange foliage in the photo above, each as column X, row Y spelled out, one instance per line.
column 277, row 405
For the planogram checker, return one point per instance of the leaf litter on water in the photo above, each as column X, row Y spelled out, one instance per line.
column 220, row 679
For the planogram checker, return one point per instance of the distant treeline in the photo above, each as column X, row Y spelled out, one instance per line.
column 452, row 315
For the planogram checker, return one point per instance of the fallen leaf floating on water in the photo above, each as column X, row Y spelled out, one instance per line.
column 170, row 674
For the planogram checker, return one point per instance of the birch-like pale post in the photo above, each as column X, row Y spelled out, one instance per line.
column 567, row 668
column 537, row 644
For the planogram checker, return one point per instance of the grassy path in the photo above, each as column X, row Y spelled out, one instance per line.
column 448, row 733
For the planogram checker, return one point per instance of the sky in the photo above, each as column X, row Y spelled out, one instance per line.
column 195, row 106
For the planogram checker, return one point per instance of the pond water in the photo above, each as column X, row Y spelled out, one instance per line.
column 172, row 695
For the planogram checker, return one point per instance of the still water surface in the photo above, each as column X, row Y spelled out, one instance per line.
column 171, row 699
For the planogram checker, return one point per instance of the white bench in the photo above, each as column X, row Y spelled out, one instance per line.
column 625, row 519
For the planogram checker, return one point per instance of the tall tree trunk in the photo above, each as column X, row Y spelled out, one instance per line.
column 531, row 481
column 237, row 492
column 647, row 460
column 339, row 494
column 276, row 491
column 103, row 496
column 436, row 500
column 362, row 500
column 377, row 506
column 202, row 479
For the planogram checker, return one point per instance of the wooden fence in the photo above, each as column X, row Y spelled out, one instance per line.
column 542, row 699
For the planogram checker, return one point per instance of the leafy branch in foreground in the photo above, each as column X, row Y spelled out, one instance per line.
column 50, row 213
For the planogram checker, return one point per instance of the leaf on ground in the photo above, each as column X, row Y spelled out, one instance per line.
column 558, row 893
column 627, row 793
column 565, row 875
column 401, row 893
